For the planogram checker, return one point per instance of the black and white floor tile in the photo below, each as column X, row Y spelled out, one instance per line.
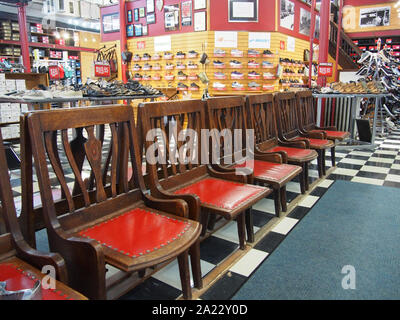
column 380, row 166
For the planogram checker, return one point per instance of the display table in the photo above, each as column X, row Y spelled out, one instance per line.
column 342, row 110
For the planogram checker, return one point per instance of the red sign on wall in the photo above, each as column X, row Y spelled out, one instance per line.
column 325, row 69
column 102, row 70
column 141, row 44
column 282, row 45
column 54, row 73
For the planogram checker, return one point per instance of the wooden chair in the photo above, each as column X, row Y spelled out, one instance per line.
column 223, row 194
column 31, row 216
column 289, row 128
column 261, row 118
column 269, row 169
column 119, row 223
column 20, row 264
column 307, row 119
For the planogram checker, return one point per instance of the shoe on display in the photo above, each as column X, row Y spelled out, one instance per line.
column 194, row 86
column 253, row 73
column 181, row 74
column 219, row 51
column 235, row 63
column 219, row 74
column 253, row 63
column 236, row 52
column 218, row 63
column 218, row 85
column 253, row 52
column 182, row 85
column 254, row 84
column 267, row 52
column 237, row 85
column 267, row 64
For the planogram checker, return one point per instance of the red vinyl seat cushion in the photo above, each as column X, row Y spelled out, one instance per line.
column 295, row 153
column 316, row 142
column 222, row 193
column 271, row 171
column 19, row 279
column 334, row 134
column 137, row 232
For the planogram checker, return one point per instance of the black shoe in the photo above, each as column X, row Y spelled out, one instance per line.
column 182, row 85
column 194, row 85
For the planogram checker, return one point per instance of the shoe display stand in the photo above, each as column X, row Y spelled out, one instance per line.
column 343, row 111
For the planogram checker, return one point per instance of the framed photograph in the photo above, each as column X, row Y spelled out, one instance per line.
column 200, row 4
column 129, row 30
column 243, row 10
column 375, row 17
column 138, row 30
column 145, row 30
column 200, row 21
column 186, row 8
column 142, row 12
column 171, row 17
column 110, row 23
column 151, row 18
column 305, row 22
column 136, row 14
column 287, row 14
column 129, row 15
column 150, row 6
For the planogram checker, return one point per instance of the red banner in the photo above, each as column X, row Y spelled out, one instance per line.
column 54, row 73
column 325, row 69
column 102, row 70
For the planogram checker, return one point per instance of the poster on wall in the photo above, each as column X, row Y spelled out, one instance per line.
column 150, row 5
column 291, row 44
column 200, row 21
column 129, row 30
column 171, row 17
column 305, row 22
column 200, row 4
column 243, row 10
column 226, row 39
column 151, row 18
column 375, row 17
column 138, row 30
column 287, row 14
column 259, row 40
column 162, row 43
column 186, row 13
column 111, row 23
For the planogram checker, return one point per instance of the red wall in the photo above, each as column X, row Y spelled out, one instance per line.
column 219, row 17
column 364, row 2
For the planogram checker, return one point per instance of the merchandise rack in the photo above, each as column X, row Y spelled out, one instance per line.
column 345, row 109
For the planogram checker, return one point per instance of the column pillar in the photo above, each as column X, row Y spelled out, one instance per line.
column 123, row 41
column 324, row 12
column 24, row 36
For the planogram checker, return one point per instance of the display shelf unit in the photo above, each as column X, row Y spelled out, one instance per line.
column 370, row 44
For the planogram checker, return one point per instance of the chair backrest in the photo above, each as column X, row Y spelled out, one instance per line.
column 166, row 136
column 10, row 227
column 286, row 114
column 306, row 109
column 227, row 114
column 261, row 118
column 107, row 181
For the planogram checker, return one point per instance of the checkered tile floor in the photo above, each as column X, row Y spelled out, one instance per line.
column 380, row 167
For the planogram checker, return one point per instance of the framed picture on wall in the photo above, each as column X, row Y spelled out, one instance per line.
column 129, row 15
column 186, row 13
column 200, row 21
column 243, row 10
column 145, row 30
column 150, row 5
column 136, row 14
column 142, row 12
column 110, row 22
column 171, row 17
column 305, row 22
column 151, row 18
column 138, row 30
column 287, row 14
column 200, row 4
column 129, row 30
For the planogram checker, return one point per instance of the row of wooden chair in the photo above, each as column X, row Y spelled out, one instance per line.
column 112, row 218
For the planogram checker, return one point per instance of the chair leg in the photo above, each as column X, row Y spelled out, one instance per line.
column 306, row 180
column 283, row 198
column 323, row 162
column 194, row 252
column 249, row 225
column 211, row 221
column 277, row 202
column 333, row 157
column 319, row 161
column 204, row 222
column 302, row 178
column 242, row 229
column 185, row 275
